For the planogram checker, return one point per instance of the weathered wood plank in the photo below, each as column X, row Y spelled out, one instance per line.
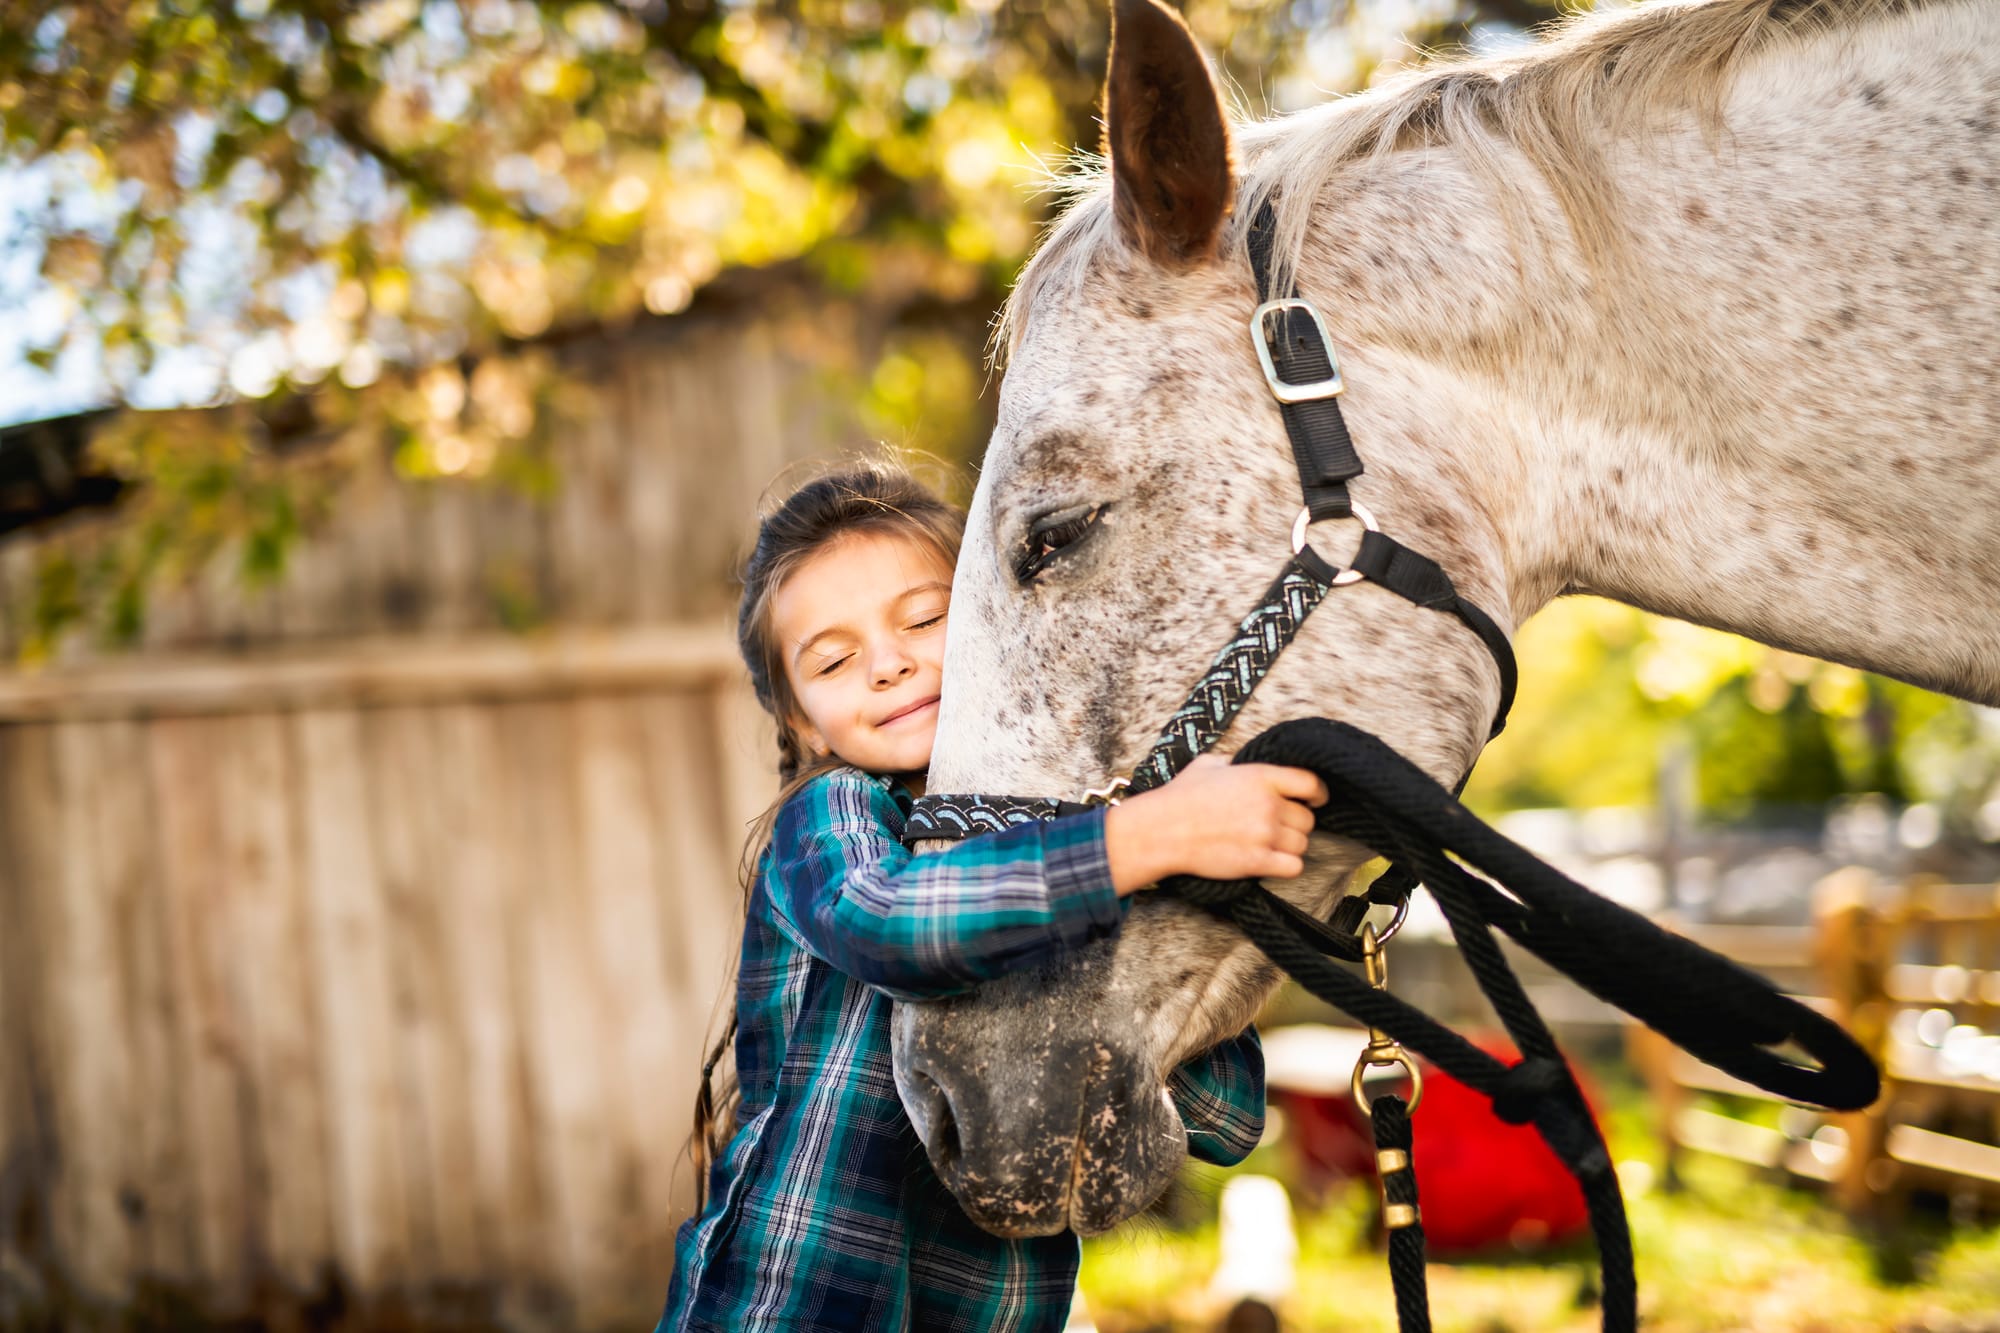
column 514, row 585
column 350, row 933
column 208, row 1039
column 480, row 894
column 28, row 823
column 591, row 553
column 702, row 903
column 652, row 512
column 700, row 402
column 405, row 779
column 567, row 1018
column 19, row 1141
column 622, row 873
column 89, row 1055
column 746, row 753
column 311, row 587
column 157, row 1189
column 274, row 999
column 429, row 931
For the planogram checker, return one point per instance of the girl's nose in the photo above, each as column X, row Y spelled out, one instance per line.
column 893, row 664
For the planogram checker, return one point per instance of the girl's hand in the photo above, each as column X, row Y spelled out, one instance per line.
column 1217, row 820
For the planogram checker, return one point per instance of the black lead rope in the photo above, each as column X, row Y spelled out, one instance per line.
column 1391, row 1117
column 1726, row 1015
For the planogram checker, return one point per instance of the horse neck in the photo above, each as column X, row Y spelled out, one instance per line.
column 1772, row 411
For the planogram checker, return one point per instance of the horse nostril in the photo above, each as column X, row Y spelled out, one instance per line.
column 941, row 1126
column 944, row 1145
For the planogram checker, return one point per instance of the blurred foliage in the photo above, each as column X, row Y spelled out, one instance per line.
column 284, row 190
column 1614, row 702
column 242, row 201
column 247, row 478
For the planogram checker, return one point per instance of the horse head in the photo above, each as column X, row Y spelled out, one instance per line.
column 1138, row 495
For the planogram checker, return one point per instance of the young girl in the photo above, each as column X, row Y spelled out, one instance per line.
column 822, row 1211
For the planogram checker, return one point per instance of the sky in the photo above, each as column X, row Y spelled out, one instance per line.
column 32, row 312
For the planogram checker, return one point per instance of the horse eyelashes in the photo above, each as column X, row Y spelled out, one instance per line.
column 1044, row 543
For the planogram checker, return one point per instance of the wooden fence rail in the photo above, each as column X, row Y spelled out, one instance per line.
column 372, row 982
column 1915, row 977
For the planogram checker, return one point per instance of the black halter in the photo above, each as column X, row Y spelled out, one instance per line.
column 1304, row 376
column 1731, row 1018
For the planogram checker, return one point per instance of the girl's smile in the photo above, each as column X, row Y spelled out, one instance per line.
column 924, row 708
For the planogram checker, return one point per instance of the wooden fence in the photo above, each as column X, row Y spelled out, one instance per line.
column 1913, row 973
column 355, row 954
column 364, row 983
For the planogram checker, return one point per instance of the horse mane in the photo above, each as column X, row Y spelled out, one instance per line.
column 1560, row 104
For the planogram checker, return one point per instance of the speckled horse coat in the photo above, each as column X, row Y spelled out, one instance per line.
column 1693, row 306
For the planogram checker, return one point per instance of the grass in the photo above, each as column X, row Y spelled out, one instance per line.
column 1731, row 1251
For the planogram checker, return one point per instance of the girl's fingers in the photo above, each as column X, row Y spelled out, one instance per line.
column 1292, row 841
column 1295, row 816
column 1295, row 784
column 1284, row 866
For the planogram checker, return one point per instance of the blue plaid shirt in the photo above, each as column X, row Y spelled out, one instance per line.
column 823, row 1211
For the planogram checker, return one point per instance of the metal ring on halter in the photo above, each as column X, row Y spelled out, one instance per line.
column 1388, row 932
column 1371, row 1060
column 1304, row 521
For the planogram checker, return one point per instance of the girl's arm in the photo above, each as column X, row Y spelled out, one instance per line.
column 844, row 888
column 1220, row 1094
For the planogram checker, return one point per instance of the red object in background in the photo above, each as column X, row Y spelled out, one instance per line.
column 1482, row 1183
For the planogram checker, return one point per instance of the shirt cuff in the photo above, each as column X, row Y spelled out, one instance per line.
column 1079, row 874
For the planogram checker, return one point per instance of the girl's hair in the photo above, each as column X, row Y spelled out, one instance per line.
column 871, row 496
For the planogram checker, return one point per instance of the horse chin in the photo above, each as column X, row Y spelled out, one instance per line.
column 1034, row 1132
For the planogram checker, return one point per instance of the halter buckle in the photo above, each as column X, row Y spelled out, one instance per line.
column 1284, row 390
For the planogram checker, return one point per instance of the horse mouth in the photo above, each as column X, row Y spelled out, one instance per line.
column 1065, row 1153
column 1088, row 1185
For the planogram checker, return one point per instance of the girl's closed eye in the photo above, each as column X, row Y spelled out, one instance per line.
column 833, row 666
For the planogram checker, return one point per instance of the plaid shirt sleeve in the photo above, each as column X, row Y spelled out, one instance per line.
column 1220, row 1094
column 845, row 889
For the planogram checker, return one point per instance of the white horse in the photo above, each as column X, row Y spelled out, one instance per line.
column 1692, row 306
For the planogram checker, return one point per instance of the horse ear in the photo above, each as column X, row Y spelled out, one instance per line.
column 1172, row 177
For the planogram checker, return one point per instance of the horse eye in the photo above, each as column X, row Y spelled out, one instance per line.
column 1049, row 537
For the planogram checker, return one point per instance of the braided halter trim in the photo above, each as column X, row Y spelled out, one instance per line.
column 1197, row 724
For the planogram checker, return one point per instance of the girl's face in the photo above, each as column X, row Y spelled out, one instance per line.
column 861, row 627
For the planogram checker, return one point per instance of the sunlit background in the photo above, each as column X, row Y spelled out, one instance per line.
column 385, row 392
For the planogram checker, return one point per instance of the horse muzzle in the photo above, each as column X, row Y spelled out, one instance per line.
column 1034, row 1124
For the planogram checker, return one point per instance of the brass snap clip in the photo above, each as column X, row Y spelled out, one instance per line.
column 1382, row 1050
